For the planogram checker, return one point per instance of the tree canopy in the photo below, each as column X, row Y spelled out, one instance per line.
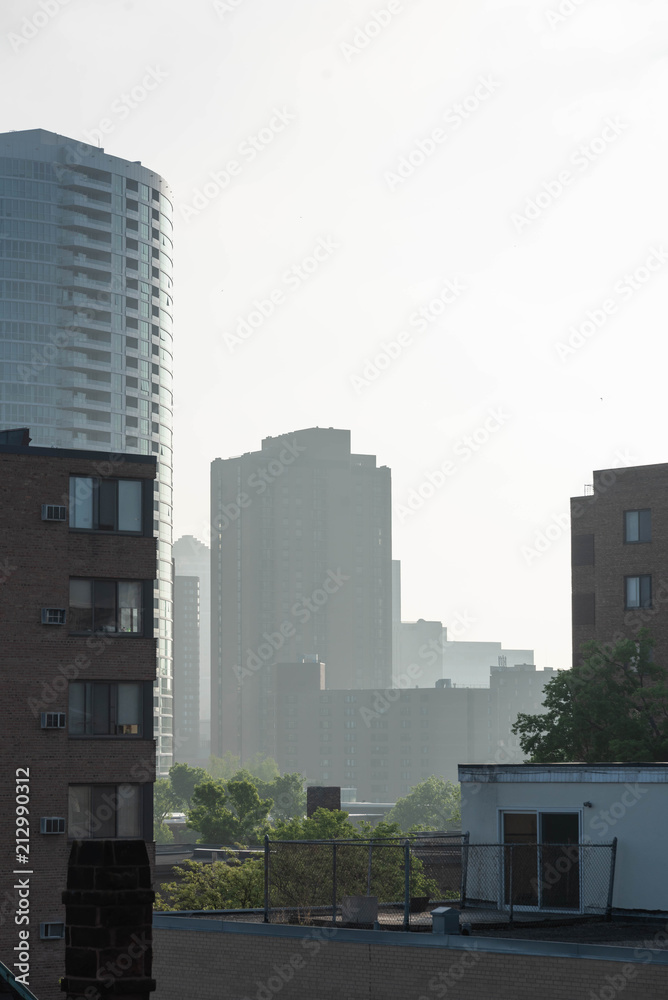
column 260, row 766
column 229, row 813
column 185, row 780
column 613, row 706
column 433, row 804
column 218, row 886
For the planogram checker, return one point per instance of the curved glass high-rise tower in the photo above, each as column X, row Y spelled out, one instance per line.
column 86, row 324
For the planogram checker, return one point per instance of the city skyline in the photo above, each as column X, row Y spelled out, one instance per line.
column 436, row 227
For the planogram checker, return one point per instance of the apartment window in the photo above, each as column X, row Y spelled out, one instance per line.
column 637, row 526
column 99, row 708
column 104, row 811
column 106, row 606
column 638, row 591
column 106, row 504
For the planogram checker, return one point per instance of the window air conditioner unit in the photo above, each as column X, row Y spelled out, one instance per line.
column 54, row 616
column 52, row 824
column 53, row 512
column 48, row 932
column 53, row 720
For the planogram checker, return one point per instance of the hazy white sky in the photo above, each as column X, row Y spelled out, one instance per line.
column 453, row 188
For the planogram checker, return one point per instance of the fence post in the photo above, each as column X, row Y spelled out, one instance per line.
column 368, row 877
column 613, row 858
column 510, row 918
column 465, row 865
column 407, row 885
column 266, row 878
column 334, row 882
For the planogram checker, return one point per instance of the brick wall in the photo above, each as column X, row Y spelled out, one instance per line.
column 239, row 966
column 599, row 566
column 37, row 559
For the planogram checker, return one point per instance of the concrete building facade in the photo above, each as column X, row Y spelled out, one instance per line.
column 186, row 668
column 300, row 566
column 86, row 273
column 193, row 558
column 382, row 743
column 77, row 668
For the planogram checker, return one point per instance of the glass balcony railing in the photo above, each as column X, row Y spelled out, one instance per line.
column 77, row 179
column 84, row 221
column 70, row 238
column 72, row 279
column 67, row 197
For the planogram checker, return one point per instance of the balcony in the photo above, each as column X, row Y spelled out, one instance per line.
column 80, row 181
column 93, row 300
column 83, row 221
column 69, row 238
column 75, row 380
column 74, row 279
column 68, row 198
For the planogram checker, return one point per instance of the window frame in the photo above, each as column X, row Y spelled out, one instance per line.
column 647, row 525
column 143, row 817
column 640, row 577
column 146, row 623
column 100, row 486
column 145, row 711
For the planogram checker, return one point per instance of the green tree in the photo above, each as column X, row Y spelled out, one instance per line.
column 231, row 813
column 218, row 886
column 612, row 706
column 288, row 794
column 225, row 767
column 164, row 802
column 185, row 780
column 228, row 766
column 433, row 804
column 324, row 824
column 301, row 874
column 262, row 767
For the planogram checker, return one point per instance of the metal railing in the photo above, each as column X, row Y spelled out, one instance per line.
column 327, row 881
column 539, row 879
column 396, row 882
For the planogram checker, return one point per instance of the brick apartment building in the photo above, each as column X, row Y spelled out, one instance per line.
column 77, row 667
column 382, row 743
column 619, row 555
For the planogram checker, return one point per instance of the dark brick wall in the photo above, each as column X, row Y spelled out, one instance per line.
column 321, row 797
column 37, row 559
column 604, row 616
column 109, row 914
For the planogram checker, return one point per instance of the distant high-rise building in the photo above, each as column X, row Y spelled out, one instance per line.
column 468, row 664
column 418, row 658
column 86, row 324
column 300, row 566
column 186, row 668
column 193, row 558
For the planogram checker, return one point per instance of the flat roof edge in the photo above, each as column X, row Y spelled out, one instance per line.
column 384, row 938
column 116, row 458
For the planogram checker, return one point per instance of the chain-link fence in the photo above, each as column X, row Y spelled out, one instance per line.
column 522, row 880
column 397, row 882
